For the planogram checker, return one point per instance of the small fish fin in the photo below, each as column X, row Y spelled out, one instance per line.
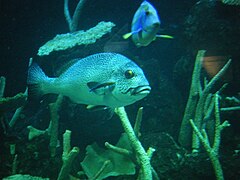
column 165, row 36
column 104, row 114
column 110, row 113
column 107, row 116
column 34, row 91
column 126, row 36
column 96, row 107
column 116, row 43
column 35, row 80
column 101, row 88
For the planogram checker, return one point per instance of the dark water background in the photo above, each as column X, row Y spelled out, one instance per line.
column 27, row 25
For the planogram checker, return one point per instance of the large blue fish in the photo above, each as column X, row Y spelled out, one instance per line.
column 104, row 79
column 145, row 25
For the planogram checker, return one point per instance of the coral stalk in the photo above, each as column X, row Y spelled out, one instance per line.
column 145, row 171
column 68, row 156
column 231, row 2
column 236, row 108
column 198, row 103
column 14, row 165
column 138, row 122
column 53, row 130
column 2, row 85
column 199, row 114
column 118, row 150
column 214, row 150
column 195, row 90
column 105, row 164
column 19, row 110
column 73, row 22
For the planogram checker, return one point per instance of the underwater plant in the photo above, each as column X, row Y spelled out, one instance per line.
column 201, row 103
column 133, row 155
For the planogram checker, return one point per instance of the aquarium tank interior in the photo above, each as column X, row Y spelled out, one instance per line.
column 120, row 90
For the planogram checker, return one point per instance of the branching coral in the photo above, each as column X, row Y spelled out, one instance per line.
column 73, row 21
column 120, row 159
column 68, row 156
column 214, row 149
column 52, row 130
column 141, row 154
column 198, row 103
column 231, row 2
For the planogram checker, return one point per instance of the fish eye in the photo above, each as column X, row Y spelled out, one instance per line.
column 129, row 74
column 147, row 12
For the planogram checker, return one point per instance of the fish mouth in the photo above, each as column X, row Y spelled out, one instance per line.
column 156, row 24
column 140, row 90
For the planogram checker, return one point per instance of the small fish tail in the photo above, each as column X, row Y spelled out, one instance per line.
column 165, row 36
column 37, row 81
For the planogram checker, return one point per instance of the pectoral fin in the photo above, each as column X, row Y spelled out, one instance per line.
column 101, row 88
column 96, row 107
column 126, row 36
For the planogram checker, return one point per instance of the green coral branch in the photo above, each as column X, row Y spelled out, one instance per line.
column 198, row 103
column 34, row 132
column 236, row 108
column 53, row 129
column 138, row 122
column 195, row 90
column 68, row 156
column 10, row 103
column 19, row 110
column 144, row 160
column 214, row 150
column 73, row 22
column 2, row 85
column 119, row 150
column 231, row 2
column 199, row 114
column 104, row 166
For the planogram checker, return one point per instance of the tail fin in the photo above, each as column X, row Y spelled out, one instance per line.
column 36, row 81
column 165, row 36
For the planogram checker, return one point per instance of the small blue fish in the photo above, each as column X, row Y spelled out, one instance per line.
column 145, row 25
column 104, row 79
